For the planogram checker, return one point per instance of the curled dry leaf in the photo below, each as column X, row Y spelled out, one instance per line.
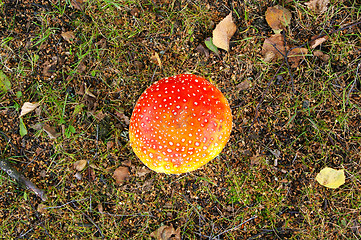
column 203, row 51
column 244, row 85
column 318, row 41
column 273, row 48
column 296, row 55
column 330, row 177
column 123, row 117
column 142, row 172
column 68, row 36
column 52, row 133
column 28, row 107
column 80, row 165
column 77, row 4
column 166, row 232
column 49, row 68
column 323, row 56
column 318, row 5
column 156, row 59
column 278, row 18
column 121, row 174
column 223, row 32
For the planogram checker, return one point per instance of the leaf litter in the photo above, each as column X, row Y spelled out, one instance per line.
column 223, row 32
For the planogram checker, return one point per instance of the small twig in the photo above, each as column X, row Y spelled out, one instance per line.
column 13, row 173
column 91, row 220
column 332, row 32
column 20, row 178
column 236, row 227
column 353, row 84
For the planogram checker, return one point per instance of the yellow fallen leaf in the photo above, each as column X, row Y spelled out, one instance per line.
column 223, row 32
column 330, row 177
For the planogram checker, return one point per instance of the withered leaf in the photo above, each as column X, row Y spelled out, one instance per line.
column 121, row 174
column 49, row 68
column 99, row 115
column 202, row 50
column 166, row 232
column 278, row 18
column 77, row 4
column 223, row 32
column 123, row 117
column 296, row 55
column 318, row 5
column 274, row 48
column 330, row 177
column 155, row 59
column 80, row 165
column 142, row 172
column 323, row 56
column 52, row 133
column 318, row 41
column 28, row 107
column 244, row 85
column 68, row 36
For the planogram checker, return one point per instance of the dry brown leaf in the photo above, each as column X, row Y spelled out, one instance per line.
column 121, row 174
column 155, row 59
column 318, row 41
column 244, row 85
column 52, row 133
column 202, row 50
column 273, row 48
column 100, row 115
column 28, row 107
column 68, row 36
column 77, row 4
column 296, row 55
column 278, row 18
column 142, row 172
column 100, row 208
column 50, row 67
column 323, row 56
column 223, row 32
column 166, row 232
column 123, row 117
column 110, row 145
column 127, row 163
column 102, row 43
column 318, row 5
column 80, row 165
column 41, row 208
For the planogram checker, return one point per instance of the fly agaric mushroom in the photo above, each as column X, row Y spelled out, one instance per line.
column 179, row 124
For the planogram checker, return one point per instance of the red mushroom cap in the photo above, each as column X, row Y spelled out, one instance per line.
column 179, row 124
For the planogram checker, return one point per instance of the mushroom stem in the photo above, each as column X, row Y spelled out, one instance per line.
column 13, row 173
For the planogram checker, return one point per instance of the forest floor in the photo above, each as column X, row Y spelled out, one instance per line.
column 87, row 63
